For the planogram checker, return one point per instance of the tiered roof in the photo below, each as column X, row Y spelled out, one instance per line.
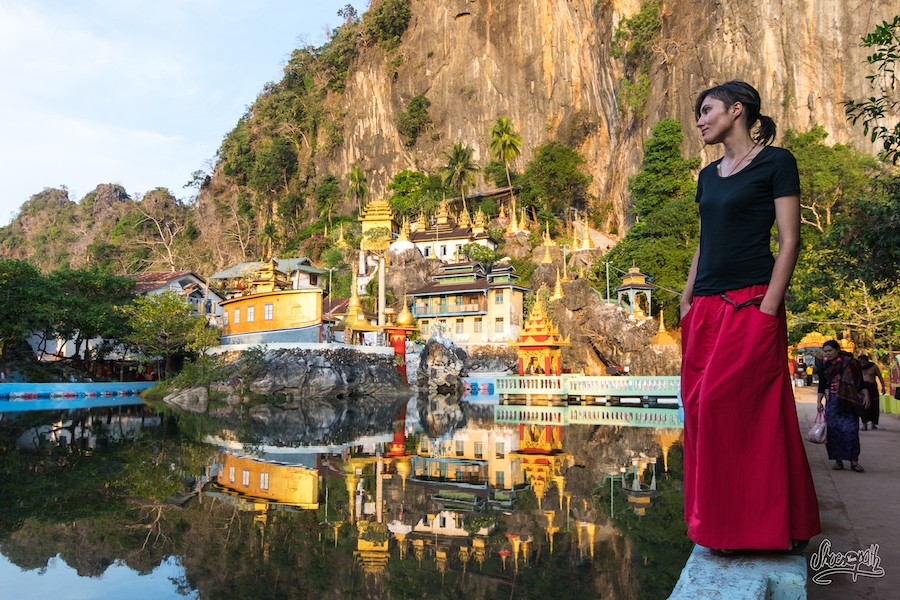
column 539, row 330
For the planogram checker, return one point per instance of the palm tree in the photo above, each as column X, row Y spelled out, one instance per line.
column 358, row 186
column 269, row 237
column 460, row 170
column 506, row 145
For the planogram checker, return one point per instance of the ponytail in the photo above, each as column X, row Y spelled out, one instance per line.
column 765, row 132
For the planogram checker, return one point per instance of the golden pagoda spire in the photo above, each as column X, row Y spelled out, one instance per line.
column 341, row 242
column 547, row 258
column 557, row 290
column 565, row 275
column 576, row 241
column 548, row 240
column 464, row 219
column 662, row 337
column 502, row 214
column 587, row 243
column 480, row 222
column 404, row 231
column 443, row 213
column 421, row 223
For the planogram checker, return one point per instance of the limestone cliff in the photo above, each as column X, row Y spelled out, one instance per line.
column 544, row 63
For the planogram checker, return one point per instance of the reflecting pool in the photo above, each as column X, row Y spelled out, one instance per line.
column 486, row 510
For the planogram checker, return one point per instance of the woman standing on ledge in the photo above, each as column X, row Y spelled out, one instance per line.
column 747, row 483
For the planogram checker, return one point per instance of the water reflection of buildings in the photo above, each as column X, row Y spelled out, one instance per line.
column 449, row 504
column 258, row 480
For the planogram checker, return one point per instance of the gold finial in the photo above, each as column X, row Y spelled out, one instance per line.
column 557, row 290
column 405, row 318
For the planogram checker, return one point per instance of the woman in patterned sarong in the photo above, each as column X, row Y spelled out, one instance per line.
column 840, row 372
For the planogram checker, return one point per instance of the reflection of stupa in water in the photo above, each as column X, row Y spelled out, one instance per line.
column 542, row 459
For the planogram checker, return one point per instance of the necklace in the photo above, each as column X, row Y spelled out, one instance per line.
column 738, row 163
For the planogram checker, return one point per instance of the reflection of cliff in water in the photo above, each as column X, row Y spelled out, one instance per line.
column 451, row 525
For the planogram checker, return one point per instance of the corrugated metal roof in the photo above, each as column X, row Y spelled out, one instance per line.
column 285, row 265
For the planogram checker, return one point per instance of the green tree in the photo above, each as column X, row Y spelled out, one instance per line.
column 357, row 185
column 664, row 174
column 481, row 253
column 21, row 286
column 413, row 119
column 553, row 180
column 882, row 107
column 414, row 192
column 165, row 325
column 85, row 306
column 663, row 242
column 633, row 43
column 460, row 170
column 506, row 145
column 829, row 175
column 388, row 20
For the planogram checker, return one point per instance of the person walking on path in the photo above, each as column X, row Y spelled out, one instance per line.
column 871, row 375
column 747, row 483
column 840, row 380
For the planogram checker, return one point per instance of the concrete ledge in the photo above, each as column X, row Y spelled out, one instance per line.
column 752, row 576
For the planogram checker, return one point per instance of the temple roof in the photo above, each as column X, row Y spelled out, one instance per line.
column 539, row 329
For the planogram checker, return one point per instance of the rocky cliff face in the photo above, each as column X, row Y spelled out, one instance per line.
column 545, row 64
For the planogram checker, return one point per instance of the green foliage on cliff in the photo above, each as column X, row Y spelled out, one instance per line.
column 413, row 119
column 554, row 181
column 633, row 43
column 663, row 240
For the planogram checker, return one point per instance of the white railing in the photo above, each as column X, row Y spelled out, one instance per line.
column 582, row 385
column 550, row 385
column 540, row 415
column 588, row 415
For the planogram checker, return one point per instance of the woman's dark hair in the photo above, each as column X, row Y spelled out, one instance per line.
column 746, row 94
column 832, row 344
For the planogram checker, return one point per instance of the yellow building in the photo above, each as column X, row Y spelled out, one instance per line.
column 277, row 482
column 470, row 304
column 271, row 307
column 471, row 456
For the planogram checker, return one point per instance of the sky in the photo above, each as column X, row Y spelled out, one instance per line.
column 135, row 92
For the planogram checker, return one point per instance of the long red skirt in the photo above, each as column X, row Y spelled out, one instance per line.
column 747, row 482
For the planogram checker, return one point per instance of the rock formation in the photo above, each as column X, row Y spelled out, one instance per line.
column 296, row 397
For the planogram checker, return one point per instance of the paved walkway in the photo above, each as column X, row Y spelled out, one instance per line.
column 857, row 509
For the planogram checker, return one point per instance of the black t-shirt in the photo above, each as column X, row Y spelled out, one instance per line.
column 736, row 216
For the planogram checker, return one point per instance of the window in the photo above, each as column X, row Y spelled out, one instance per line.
column 498, row 325
column 424, row 327
column 458, row 300
column 225, row 318
column 478, row 325
column 498, row 297
column 442, row 522
column 443, row 250
column 251, row 312
column 264, row 481
column 501, row 449
column 499, row 478
column 479, row 449
column 267, row 312
column 460, row 447
column 231, row 474
column 460, row 326
column 237, row 316
column 245, row 478
column 313, row 279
